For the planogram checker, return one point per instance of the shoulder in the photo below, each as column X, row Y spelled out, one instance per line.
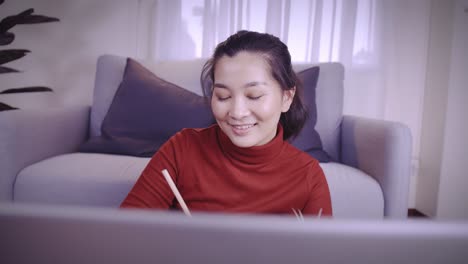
column 186, row 141
column 300, row 161
column 308, row 164
column 300, row 157
column 196, row 133
column 190, row 137
column 312, row 169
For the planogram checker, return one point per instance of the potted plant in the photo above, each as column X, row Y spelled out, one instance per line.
column 8, row 55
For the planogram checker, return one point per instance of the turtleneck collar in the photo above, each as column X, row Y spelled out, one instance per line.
column 252, row 155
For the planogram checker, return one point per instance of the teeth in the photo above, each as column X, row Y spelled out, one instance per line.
column 243, row 126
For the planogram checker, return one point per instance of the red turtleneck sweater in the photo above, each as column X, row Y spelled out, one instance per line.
column 212, row 174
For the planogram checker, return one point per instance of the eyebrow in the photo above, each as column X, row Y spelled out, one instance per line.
column 249, row 84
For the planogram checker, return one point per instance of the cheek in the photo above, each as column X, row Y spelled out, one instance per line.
column 218, row 109
column 269, row 108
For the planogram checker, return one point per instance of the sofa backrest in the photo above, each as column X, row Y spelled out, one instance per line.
column 329, row 92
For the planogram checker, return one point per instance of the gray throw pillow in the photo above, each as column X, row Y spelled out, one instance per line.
column 309, row 139
column 145, row 112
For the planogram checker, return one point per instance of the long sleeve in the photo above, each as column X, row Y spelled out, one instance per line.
column 319, row 198
column 151, row 189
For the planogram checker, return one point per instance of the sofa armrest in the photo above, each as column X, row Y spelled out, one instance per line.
column 28, row 136
column 381, row 149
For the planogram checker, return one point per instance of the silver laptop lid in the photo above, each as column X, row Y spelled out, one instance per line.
column 46, row 234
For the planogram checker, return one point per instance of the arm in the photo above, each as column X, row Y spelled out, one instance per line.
column 319, row 200
column 151, row 189
column 28, row 136
column 381, row 149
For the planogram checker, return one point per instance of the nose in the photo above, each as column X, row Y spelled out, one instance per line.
column 239, row 109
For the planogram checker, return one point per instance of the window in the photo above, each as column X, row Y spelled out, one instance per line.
column 314, row 30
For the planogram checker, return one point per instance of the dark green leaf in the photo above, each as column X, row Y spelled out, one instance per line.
column 11, row 55
column 35, row 19
column 7, row 70
column 25, row 17
column 5, row 107
column 31, row 89
column 26, row 12
column 7, row 23
column 10, row 21
column 6, row 38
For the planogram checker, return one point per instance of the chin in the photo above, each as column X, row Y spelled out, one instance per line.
column 242, row 143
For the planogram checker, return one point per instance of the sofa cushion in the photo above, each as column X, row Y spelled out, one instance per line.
column 145, row 112
column 354, row 194
column 329, row 96
column 89, row 179
column 109, row 74
column 309, row 140
column 79, row 179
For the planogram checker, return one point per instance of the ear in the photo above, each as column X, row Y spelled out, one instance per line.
column 288, row 97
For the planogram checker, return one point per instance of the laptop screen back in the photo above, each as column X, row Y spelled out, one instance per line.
column 44, row 234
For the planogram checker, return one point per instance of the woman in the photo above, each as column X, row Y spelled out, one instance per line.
column 243, row 163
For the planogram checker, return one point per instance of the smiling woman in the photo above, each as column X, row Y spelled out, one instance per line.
column 246, row 58
column 244, row 163
column 247, row 101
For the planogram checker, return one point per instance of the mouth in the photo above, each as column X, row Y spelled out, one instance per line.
column 242, row 129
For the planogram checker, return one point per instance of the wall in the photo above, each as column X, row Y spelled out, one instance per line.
column 64, row 53
column 434, row 109
column 405, row 71
column 452, row 196
column 441, row 187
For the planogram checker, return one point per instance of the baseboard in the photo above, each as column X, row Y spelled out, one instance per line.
column 412, row 212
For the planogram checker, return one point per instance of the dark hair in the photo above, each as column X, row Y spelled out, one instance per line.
column 277, row 56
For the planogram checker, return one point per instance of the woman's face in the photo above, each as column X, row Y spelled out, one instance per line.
column 247, row 101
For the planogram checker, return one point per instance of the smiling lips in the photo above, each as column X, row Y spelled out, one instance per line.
column 241, row 129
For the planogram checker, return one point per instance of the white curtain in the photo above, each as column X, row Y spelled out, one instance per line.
column 382, row 44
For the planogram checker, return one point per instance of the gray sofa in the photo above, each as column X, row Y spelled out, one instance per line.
column 39, row 162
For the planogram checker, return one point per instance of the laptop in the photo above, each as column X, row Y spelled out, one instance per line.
column 57, row 234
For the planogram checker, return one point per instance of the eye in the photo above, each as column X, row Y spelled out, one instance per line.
column 221, row 95
column 222, row 98
column 254, row 97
